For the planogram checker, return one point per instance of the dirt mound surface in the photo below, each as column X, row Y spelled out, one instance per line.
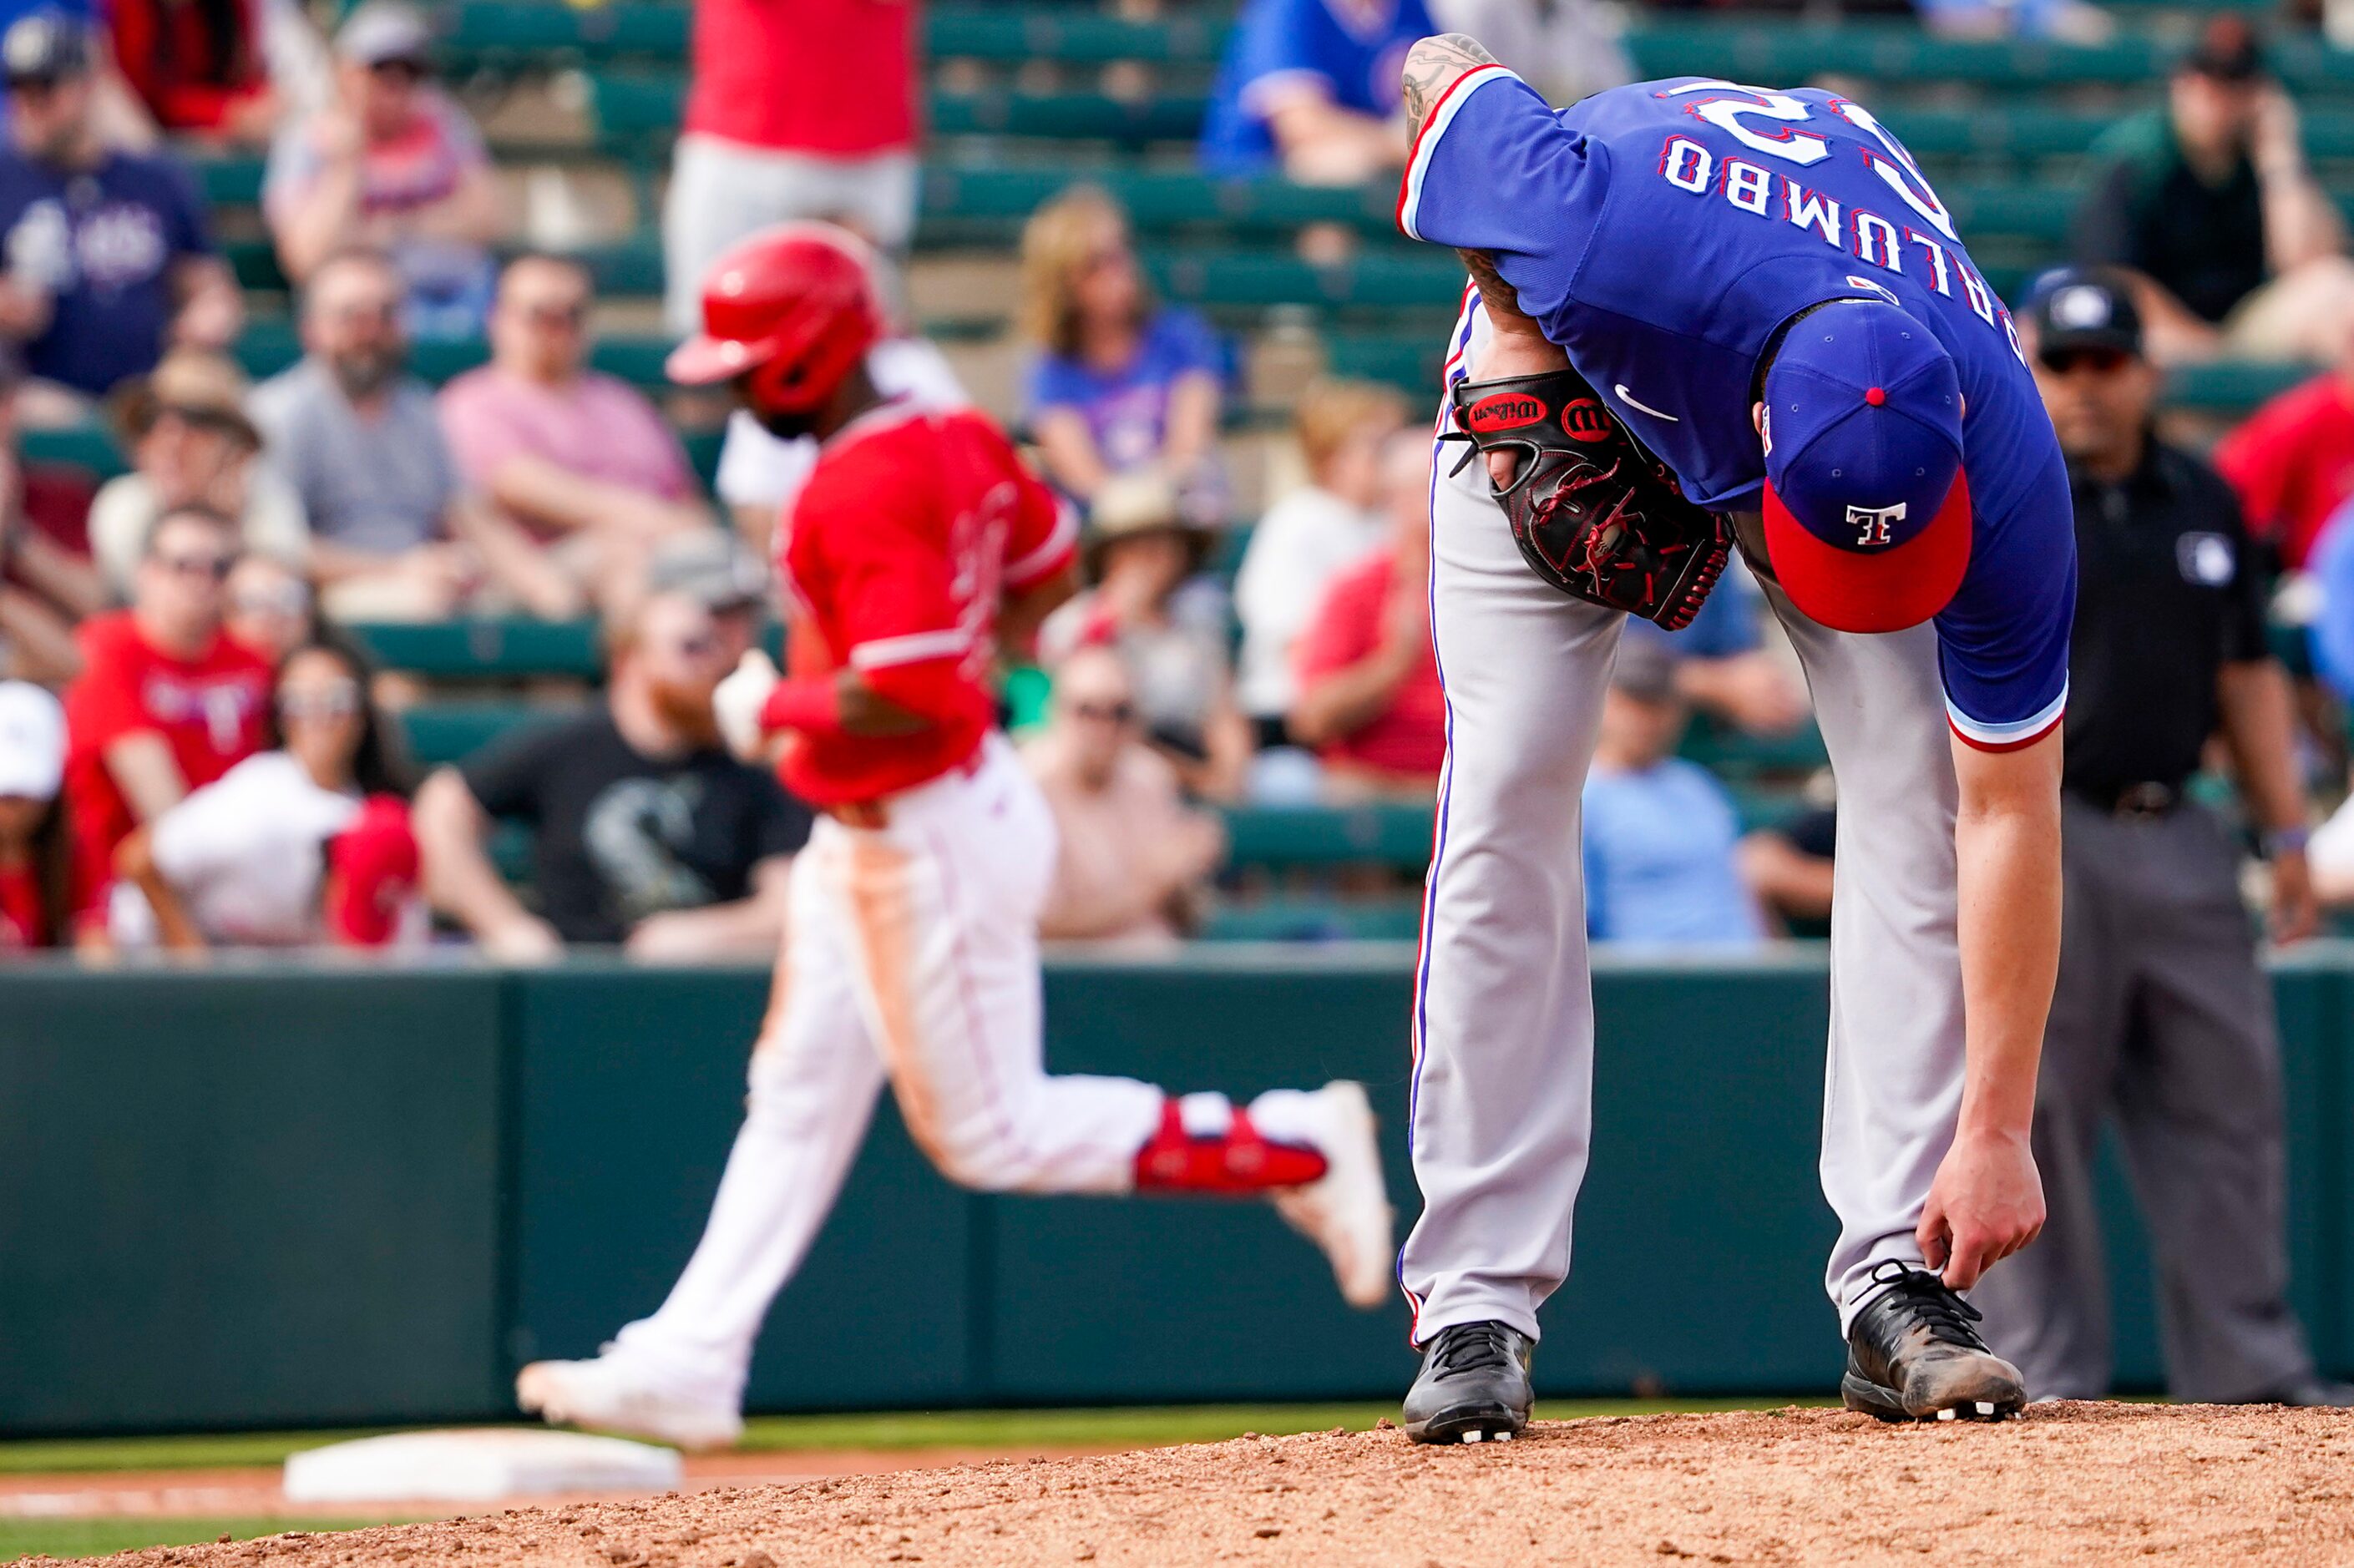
column 2068, row 1484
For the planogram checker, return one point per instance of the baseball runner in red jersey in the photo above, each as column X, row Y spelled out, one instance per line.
column 911, row 953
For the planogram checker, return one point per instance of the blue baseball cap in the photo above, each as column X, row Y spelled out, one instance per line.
column 1867, row 510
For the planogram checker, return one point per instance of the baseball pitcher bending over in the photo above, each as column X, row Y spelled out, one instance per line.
column 911, row 956
column 1704, row 313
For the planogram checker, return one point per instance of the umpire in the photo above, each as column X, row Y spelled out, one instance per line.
column 2162, row 1016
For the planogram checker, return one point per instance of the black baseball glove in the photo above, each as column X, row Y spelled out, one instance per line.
column 1596, row 516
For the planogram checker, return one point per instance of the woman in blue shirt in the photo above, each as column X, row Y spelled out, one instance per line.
column 1118, row 383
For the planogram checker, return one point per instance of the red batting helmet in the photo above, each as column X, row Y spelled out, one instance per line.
column 795, row 305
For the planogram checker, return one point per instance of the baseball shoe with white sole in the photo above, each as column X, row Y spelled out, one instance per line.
column 619, row 1392
column 1473, row 1387
column 1913, row 1355
column 1346, row 1211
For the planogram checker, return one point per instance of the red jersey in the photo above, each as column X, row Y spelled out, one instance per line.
column 912, row 523
column 1409, row 738
column 832, row 78
column 2293, row 462
column 209, row 711
column 23, row 923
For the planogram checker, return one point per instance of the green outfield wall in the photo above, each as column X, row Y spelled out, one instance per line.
column 281, row 1196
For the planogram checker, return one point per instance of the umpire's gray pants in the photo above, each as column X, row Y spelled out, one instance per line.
column 2162, row 1017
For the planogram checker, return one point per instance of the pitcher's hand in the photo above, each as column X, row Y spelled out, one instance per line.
column 1985, row 1203
column 1507, row 353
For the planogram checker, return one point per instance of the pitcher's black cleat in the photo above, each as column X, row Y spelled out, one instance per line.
column 1474, row 1385
column 1913, row 1355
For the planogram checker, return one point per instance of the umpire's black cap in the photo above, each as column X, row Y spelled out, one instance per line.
column 2084, row 307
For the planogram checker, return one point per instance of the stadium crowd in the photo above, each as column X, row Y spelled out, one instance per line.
column 198, row 747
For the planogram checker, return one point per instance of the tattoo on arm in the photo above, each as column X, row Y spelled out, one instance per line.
column 1503, row 302
column 1431, row 64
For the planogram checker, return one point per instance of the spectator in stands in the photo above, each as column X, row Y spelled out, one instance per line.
column 198, row 67
column 580, row 460
column 108, row 260
column 1119, row 382
column 719, row 572
column 1790, row 868
column 1369, row 701
column 1133, row 858
column 1567, row 49
column 2291, row 461
column 46, row 581
column 393, row 535
column 1311, row 88
column 191, row 442
column 1723, row 666
column 305, row 843
column 396, row 166
column 166, row 701
column 35, row 860
column 645, row 831
column 270, row 609
column 2162, row 1015
column 1660, row 834
column 1169, row 625
column 1345, row 431
column 797, row 109
column 2236, row 247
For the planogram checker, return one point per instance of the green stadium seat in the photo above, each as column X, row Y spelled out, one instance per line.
column 438, row 733
column 1729, row 753
column 473, row 30
column 1316, row 918
column 89, row 447
column 505, row 648
column 228, row 179
column 1393, row 835
column 1017, row 34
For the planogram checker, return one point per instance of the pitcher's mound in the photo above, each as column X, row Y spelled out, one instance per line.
column 2066, row 1484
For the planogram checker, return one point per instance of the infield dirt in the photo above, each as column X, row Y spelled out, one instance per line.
column 2067, row 1484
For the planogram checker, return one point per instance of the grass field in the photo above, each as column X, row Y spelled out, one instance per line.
column 904, row 1431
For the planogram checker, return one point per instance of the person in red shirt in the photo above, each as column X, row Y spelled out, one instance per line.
column 796, row 109
column 33, row 870
column 918, row 546
column 166, row 701
column 2293, row 460
column 1369, row 700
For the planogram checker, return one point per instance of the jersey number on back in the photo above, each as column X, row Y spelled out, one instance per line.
column 1897, row 170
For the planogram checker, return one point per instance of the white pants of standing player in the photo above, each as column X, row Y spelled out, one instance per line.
column 1504, row 1019
column 911, row 958
column 721, row 190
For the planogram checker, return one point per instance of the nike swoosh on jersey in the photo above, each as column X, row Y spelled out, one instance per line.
column 1640, row 407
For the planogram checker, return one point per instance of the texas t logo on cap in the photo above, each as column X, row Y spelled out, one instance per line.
column 1866, row 511
column 1874, row 523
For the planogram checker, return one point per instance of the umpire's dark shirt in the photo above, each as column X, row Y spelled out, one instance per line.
column 2167, row 592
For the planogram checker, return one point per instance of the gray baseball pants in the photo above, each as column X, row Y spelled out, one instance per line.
column 2164, row 1019
column 1503, row 1011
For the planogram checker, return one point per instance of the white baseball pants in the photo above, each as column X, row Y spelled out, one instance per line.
column 1502, row 1103
column 911, row 956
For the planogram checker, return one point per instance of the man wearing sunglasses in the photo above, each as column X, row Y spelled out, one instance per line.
column 166, row 701
column 107, row 257
column 395, row 166
column 2162, row 1016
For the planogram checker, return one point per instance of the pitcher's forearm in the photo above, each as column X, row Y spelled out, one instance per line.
column 2010, row 890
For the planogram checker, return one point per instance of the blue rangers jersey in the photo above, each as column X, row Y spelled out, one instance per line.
column 1661, row 232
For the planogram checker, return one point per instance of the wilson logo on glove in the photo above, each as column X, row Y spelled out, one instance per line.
column 1504, row 411
column 1593, row 512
